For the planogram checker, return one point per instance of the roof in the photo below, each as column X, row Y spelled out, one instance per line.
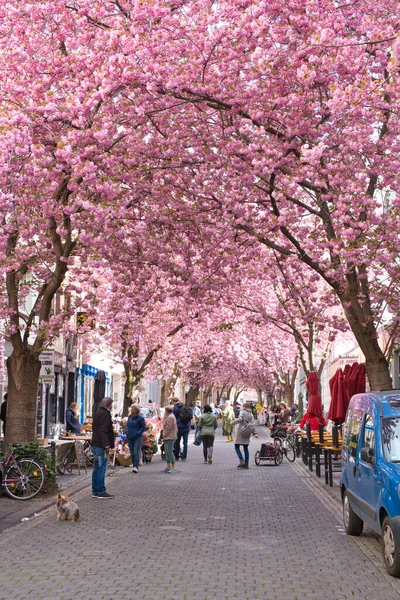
column 388, row 401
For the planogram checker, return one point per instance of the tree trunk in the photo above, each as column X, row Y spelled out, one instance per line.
column 270, row 398
column 167, row 389
column 288, row 394
column 191, row 396
column 23, row 378
column 164, row 394
column 378, row 374
column 259, row 396
column 131, row 381
column 237, row 393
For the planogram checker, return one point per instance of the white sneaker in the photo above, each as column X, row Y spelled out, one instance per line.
column 134, row 470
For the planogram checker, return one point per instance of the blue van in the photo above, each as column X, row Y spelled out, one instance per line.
column 370, row 482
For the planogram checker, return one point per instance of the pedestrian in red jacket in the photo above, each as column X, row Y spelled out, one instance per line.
column 313, row 420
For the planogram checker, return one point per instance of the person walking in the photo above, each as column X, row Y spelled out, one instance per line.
column 135, row 427
column 237, row 407
column 170, row 433
column 228, row 416
column 246, row 427
column 72, row 419
column 196, row 414
column 183, row 415
column 285, row 413
column 102, row 441
column 207, row 425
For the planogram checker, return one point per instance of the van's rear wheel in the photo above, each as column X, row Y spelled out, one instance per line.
column 390, row 551
column 352, row 522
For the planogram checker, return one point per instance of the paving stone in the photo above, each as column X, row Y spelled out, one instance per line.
column 210, row 532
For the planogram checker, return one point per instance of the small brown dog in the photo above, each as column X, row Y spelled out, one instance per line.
column 66, row 510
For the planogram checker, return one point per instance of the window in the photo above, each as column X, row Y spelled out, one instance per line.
column 391, row 438
column 354, row 434
column 368, row 433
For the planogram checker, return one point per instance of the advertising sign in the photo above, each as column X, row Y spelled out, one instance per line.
column 47, row 368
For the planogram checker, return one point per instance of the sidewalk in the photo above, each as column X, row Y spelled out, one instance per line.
column 210, row 532
column 12, row 511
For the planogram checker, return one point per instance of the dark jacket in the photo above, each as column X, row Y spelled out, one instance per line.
column 102, row 427
column 183, row 426
column 3, row 415
column 72, row 422
column 135, row 426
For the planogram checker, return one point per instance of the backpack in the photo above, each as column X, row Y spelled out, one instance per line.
column 247, row 428
column 185, row 413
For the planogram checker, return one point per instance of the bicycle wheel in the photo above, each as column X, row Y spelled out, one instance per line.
column 278, row 456
column 277, row 441
column 290, row 452
column 257, row 457
column 24, row 480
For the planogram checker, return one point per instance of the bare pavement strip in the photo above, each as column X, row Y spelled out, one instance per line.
column 207, row 531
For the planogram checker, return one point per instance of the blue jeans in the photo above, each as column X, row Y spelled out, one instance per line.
column 100, row 464
column 135, row 446
column 246, row 452
column 177, row 446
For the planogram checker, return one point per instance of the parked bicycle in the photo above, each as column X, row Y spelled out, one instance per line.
column 22, row 478
column 287, row 447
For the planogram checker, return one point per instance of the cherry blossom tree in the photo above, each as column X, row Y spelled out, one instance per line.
column 291, row 112
column 259, row 123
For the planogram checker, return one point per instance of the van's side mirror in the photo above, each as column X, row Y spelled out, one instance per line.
column 368, row 454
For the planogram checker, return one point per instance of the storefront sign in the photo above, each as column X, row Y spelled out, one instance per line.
column 47, row 368
column 348, row 359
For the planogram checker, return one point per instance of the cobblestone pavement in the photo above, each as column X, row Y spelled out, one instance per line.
column 12, row 511
column 206, row 532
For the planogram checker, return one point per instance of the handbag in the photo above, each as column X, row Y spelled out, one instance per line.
column 197, row 439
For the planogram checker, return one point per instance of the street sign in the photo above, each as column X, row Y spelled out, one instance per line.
column 47, row 369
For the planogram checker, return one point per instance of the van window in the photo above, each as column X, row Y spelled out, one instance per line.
column 368, row 433
column 354, row 434
column 391, row 438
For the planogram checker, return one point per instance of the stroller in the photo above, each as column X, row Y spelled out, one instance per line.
column 270, row 453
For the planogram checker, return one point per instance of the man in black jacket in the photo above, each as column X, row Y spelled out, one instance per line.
column 102, row 441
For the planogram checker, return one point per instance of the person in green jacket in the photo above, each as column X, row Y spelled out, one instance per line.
column 207, row 425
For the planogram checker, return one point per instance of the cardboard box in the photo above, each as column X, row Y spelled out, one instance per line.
column 124, row 461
